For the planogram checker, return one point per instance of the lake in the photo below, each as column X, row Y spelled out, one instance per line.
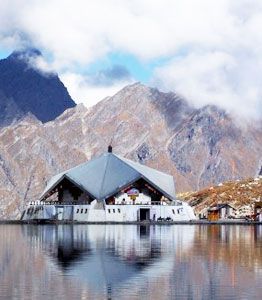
column 130, row 262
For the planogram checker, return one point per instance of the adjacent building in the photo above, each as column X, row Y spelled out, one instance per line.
column 220, row 211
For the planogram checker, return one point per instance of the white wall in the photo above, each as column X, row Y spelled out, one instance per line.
column 116, row 213
column 81, row 212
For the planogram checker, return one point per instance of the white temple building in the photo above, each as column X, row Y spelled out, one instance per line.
column 109, row 188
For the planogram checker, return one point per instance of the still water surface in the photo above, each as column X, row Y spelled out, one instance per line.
column 130, row 262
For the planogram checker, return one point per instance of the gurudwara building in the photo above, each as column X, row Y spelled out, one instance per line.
column 109, row 188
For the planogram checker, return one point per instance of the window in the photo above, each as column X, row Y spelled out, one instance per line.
column 178, row 211
column 109, row 211
column 173, row 211
column 114, row 211
column 86, row 211
column 77, row 211
column 82, row 210
column 119, row 210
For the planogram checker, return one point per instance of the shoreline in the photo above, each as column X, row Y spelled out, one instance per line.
column 146, row 223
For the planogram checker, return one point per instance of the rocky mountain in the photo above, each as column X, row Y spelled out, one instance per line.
column 25, row 89
column 199, row 147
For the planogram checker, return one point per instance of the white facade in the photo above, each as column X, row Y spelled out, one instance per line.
column 96, row 212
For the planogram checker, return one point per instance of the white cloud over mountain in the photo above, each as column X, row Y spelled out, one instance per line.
column 86, row 91
column 212, row 49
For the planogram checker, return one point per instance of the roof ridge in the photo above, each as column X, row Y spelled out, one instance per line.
column 104, row 175
column 120, row 158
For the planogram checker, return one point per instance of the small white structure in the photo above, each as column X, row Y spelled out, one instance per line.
column 109, row 189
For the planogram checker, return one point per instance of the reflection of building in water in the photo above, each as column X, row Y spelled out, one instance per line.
column 106, row 255
column 258, row 233
column 109, row 189
column 184, row 262
column 62, row 242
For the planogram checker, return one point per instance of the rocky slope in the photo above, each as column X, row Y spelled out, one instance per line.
column 200, row 147
column 25, row 89
column 242, row 194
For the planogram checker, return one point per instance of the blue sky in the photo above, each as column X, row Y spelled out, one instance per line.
column 4, row 53
column 194, row 48
column 137, row 69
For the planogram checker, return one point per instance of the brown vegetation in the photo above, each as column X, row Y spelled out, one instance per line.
column 237, row 193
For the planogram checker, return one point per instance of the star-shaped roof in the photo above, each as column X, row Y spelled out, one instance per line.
column 106, row 175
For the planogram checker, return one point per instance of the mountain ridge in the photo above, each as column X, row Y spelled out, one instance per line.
column 25, row 89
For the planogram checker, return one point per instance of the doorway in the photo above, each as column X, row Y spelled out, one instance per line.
column 144, row 214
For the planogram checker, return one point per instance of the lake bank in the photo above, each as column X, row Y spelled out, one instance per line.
column 195, row 222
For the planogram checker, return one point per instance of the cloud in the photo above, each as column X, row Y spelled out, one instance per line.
column 34, row 58
column 111, row 75
column 213, row 48
column 89, row 89
column 214, row 77
column 86, row 91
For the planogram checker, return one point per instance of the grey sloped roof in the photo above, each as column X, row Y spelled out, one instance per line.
column 162, row 181
column 109, row 173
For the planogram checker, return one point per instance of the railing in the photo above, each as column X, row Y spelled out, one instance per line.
column 35, row 203
column 163, row 203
